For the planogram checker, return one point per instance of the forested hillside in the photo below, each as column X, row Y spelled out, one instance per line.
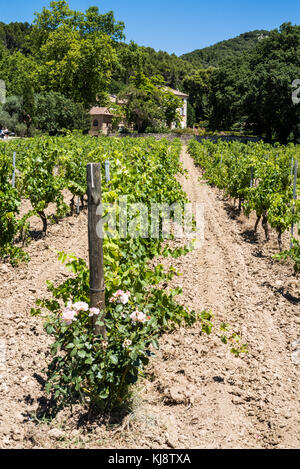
column 214, row 55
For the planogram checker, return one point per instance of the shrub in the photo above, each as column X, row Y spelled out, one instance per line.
column 9, row 208
column 55, row 113
column 100, row 372
column 293, row 254
column 21, row 129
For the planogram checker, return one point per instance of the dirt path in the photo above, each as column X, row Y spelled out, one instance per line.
column 249, row 402
column 197, row 394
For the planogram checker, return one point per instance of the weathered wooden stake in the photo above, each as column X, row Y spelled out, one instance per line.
column 107, row 170
column 252, row 177
column 97, row 286
column 295, row 198
column 292, row 166
column 13, row 182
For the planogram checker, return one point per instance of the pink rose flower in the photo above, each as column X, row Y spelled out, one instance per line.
column 68, row 316
column 81, row 306
column 120, row 297
column 94, row 312
column 138, row 316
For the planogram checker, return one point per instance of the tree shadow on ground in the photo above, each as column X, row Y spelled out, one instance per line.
column 32, row 235
column 259, row 254
column 250, row 236
column 232, row 212
column 48, row 409
column 36, row 235
column 288, row 296
column 111, row 419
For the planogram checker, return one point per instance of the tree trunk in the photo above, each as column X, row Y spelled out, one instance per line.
column 280, row 240
column 256, row 224
column 44, row 220
column 265, row 225
column 72, row 205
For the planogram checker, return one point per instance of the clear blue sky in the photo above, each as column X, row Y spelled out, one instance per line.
column 177, row 26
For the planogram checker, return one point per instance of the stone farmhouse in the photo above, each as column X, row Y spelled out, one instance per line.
column 101, row 121
column 102, row 117
column 183, row 109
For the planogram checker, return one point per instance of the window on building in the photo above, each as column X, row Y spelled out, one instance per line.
column 95, row 123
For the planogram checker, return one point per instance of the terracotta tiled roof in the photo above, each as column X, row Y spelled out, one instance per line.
column 100, row 111
column 179, row 93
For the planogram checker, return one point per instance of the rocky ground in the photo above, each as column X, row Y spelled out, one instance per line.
column 196, row 394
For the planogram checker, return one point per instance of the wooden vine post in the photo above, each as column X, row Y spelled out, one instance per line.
column 13, row 183
column 97, row 286
column 295, row 198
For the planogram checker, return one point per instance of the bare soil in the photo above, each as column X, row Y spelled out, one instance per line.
column 196, row 393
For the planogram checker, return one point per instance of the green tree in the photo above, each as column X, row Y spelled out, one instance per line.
column 55, row 113
column 254, row 90
column 80, row 68
column 229, row 84
column 11, row 114
column 92, row 21
column 131, row 60
column 16, row 70
column 273, row 66
column 198, row 85
column 86, row 23
column 150, row 105
column 14, row 36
